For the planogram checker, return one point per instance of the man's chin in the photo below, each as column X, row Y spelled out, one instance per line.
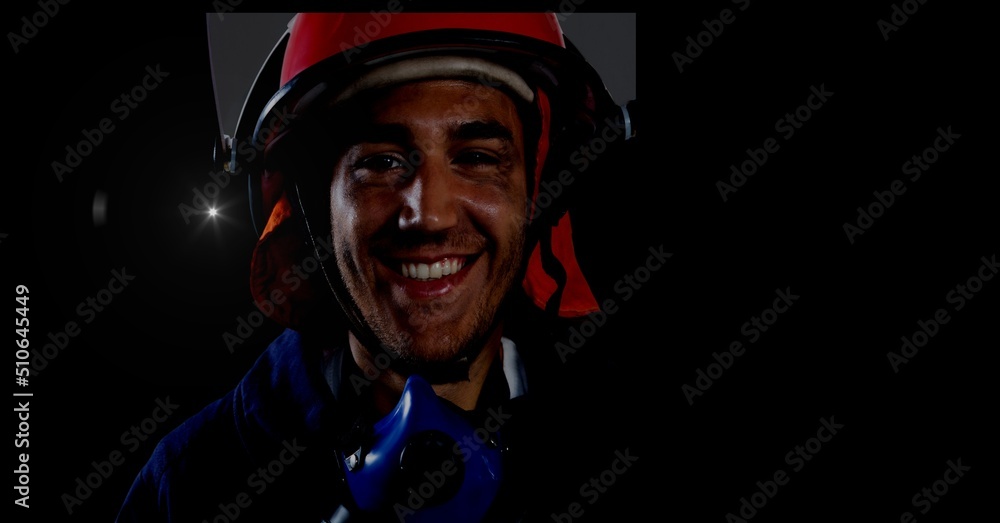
column 436, row 362
column 438, row 359
column 442, row 350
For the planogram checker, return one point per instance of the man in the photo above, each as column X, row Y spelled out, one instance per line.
column 407, row 168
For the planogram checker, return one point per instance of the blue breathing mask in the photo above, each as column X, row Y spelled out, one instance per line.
column 425, row 462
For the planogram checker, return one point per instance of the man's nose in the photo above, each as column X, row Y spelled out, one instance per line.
column 429, row 200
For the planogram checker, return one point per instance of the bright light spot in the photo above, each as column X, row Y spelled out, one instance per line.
column 212, row 212
column 100, row 208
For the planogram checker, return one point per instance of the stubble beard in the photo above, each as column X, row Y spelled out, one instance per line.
column 449, row 358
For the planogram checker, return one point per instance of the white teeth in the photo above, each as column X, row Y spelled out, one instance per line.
column 433, row 271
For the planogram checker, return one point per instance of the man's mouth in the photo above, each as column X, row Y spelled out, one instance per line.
column 434, row 270
column 425, row 275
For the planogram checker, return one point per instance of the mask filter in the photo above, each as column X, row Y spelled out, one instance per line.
column 424, row 463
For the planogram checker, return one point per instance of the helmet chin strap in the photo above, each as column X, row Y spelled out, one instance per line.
column 452, row 370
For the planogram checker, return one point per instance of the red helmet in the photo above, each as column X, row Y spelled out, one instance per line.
column 329, row 55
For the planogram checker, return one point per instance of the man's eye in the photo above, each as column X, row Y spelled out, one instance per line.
column 476, row 158
column 380, row 163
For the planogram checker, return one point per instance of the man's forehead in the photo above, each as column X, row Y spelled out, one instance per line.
column 445, row 97
column 462, row 110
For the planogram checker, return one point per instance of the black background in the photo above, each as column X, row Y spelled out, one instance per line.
column 825, row 357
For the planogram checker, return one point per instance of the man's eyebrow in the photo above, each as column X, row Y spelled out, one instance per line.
column 400, row 134
column 479, row 129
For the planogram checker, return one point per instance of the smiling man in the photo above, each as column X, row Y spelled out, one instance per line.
column 428, row 250
column 409, row 171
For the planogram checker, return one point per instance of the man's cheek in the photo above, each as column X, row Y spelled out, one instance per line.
column 500, row 215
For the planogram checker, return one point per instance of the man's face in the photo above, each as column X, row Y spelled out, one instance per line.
column 428, row 215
